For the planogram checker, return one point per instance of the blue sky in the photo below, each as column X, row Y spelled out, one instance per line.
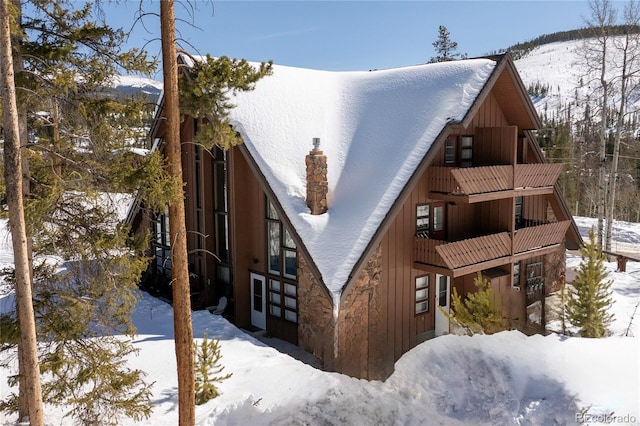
column 349, row 35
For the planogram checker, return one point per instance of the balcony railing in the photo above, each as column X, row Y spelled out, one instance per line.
column 459, row 254
column 482, row 180
column 535, row 237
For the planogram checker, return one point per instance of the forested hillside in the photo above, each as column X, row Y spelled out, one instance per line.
column 566, row 90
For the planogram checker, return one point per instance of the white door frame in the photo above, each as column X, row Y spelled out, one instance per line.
column 258, row 296
column 441, row 320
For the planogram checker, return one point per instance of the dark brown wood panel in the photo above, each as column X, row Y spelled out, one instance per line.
column 248, row 233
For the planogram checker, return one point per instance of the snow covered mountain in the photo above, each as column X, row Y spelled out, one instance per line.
column 559, row 68
column 130, row 85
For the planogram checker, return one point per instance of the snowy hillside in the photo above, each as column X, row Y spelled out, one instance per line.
column 560, row 66
column 504, row 379
column 135, row 85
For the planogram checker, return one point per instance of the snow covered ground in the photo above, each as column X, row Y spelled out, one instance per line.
column 503, row 379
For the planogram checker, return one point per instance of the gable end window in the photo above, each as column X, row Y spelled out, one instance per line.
column 282, row 268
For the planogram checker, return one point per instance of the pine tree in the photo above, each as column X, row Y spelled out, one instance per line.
column 590, row 301
column 78, row 158
column 477, row 313
column 28, row 357
column 207, row 369
column 446, row 49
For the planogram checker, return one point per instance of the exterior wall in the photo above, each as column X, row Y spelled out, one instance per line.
column 361, row 347
column 247, row 233
column 555, row 269
column 315, row 316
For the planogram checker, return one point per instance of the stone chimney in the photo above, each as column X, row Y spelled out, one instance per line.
column 317, row 185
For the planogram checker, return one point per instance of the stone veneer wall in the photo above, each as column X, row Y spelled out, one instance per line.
column 361, row 342
column 315, row 316
column 555, row 268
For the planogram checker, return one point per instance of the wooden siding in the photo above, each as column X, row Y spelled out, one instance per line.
column 495, row 146
column 399, row 326
column 248, row 232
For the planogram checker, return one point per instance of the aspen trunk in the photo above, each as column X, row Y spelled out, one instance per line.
column 14, row 186
column 179, row 262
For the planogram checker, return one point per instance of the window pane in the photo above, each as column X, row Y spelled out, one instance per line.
column 422, row 307
column 466, row 141
column 271, row 211
column 422, row 294
column 220, row 187
column 274, row 285
column 167, row 230
column 274, row 298
column 290, row 266
column 158, row 230
column 222, row 236
column 275, row 310
column 291, row 316
column 438, row 218
column 274, row 246
column 422, row 210
column 449, row 151
column 442, row 291
column 289, row 289
column 288, row 241
column 257, row 295
column 223, row 274
column 290, row 302
column 422, row 281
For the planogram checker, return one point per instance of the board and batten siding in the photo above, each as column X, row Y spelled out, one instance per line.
column 397, row 293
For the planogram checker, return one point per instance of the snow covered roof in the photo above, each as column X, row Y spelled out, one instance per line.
column 375, row 128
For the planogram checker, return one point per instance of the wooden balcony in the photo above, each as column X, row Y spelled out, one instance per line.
column 476, row 184
column 540, row 236
column 474, row 254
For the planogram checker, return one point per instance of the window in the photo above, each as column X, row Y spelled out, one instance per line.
column 422, row 220
column 518, row 211
column 535, row 278
column 221, row 205
column 450, row 151
column 516, row 275
column 466, row 151
column 422, row 294
column 161, row 243
column 282, row 267
column 430, row 221
column 442, row 290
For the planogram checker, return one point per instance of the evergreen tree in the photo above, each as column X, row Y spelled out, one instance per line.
column 208, row 368
column 78, row 157
column 477, row 313
column 446, row 49
column 31, row 384
column 590, row 301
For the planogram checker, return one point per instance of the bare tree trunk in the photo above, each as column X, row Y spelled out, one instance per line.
column 179, row 261
column 628, row 70
column 14, row 186
column 602, row 17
